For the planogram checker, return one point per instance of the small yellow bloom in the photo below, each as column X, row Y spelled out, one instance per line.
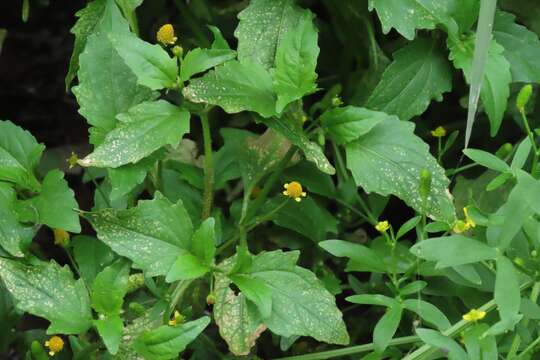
column 72, row 160
column 464, row 225
column 474, row 315
column 382, row 226
column 176, row 319
column 61, row 237
column 294, row 190
column 165, row 35
column 55, row 345
column 439, row 132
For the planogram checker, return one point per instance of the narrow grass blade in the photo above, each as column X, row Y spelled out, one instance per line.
column 483, row 39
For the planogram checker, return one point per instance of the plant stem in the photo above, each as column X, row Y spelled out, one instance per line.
column 99, row 189
column 514, row 348
column 457, row 328
column 261, row 198
column 208, row 168
column 354, row 210
column 178, row 292
column 460, row 169
column 533, row 142
column 528, row 349
column 351, row 350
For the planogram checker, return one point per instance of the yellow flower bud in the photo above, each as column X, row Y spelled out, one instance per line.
column 439, row 132
column 165, row 35
column 55, row 345
column 382, row 226
column 294, row 190
column 61, row 237
column 177, row 319
column 474, row 315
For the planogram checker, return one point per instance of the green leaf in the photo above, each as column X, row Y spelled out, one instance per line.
column 510, row 217
column 465, row 13
column 480, row 346
column 152, row 234
column 110, row 330
column 453, row 250
column 300, row 303
column 389, row 159
column 19, row 155
column 305, row 217
column 521, row 47
column 49, row 291
column 408, row 15
column 91, row 256
column 166, row 342
column 438, row 340
column 256, row 291
column 204, row 242
column 262, row 28
column 419, row 73
column 88, row 18
column 408, row 226
column 346, row 124
column 14, row 237
column 487, row 160
column 362, row 257
column 187, row 266
column 386, row 327
column 235, row 87
column 100, row 104
column 199, row 60
column 239, row 322
column 296, row 60
column 126, row 177
column 495, row 87
column 292, row 130
column 128, row 9
column 144, row 129
column 55, row 205
column 377, row 299
column 255, row 155
column 151, row 64
column 428, row 312
column 521, row 154
column 507, row 293
column 109, row 288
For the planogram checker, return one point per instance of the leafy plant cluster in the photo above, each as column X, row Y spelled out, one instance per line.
column 290, row 191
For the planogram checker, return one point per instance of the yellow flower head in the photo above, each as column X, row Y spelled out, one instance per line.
column 464, row 225
column 61, row 237
column 55, row 345
column 382, row 226
column 294, row 190
column 72, row 160
column 165, row 35
column 438, row 132
column 474, row 315
column 176, row 319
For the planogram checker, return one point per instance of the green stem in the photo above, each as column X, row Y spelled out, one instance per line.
column 533, row 142
column 208, row 168
column 340, row 163
column 457, row 328
column 178, row 292
column 98, row 188
column 514, row 348
column 351, row 350
column 261, row 198
column 365, row 207
column 528, row 349
column 450, row 172
column 354, row 210
column 243, row 230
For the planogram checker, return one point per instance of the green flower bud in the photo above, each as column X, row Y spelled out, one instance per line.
column 137, row 308
column 135, row 281
column 519, row 261
column 425, row 183
column 523, row 97
column 211, row 299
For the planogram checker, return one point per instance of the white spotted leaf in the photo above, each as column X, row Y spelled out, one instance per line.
column 388, row 161
column 49, row 291
column 262, row 28
column 235, row 87
column 142, row 130
column 152, row 234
